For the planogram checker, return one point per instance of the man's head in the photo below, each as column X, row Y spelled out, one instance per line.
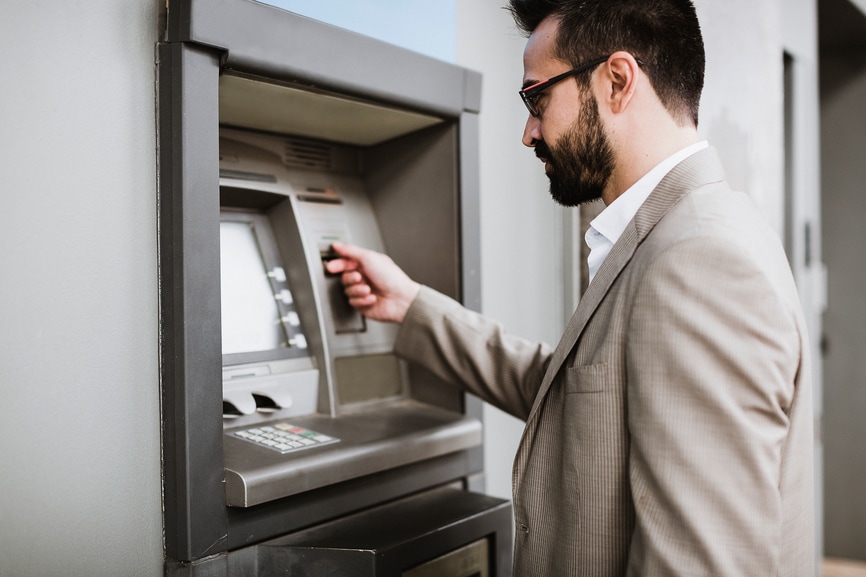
column 663, row 34
column 626, row 77
column 580, row 162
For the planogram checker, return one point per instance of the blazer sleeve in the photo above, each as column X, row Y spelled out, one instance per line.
column 467, row 349
column 713, row 351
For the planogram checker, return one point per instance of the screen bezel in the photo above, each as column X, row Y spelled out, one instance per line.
column 264, row 236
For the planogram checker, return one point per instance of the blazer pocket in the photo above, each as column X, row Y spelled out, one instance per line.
column 595, row 378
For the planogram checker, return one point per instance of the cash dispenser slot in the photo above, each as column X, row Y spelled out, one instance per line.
column 315, row 394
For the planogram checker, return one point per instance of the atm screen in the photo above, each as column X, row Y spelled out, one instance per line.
column 250, row 316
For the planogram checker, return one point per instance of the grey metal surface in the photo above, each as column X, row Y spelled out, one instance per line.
column 195, row 521
column 271, row 107
column 389, row 540
column 204, row 39
column 262, row 40
column 255, row 524
column 369, row 442
column 470, row 212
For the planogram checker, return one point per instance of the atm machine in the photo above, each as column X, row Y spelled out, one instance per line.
column 295, row 442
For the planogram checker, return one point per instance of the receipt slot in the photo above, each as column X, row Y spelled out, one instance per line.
column 293, row 436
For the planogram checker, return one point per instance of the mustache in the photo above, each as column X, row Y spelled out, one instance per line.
column 542, row 150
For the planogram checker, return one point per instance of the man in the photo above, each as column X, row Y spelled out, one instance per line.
column 670, row 431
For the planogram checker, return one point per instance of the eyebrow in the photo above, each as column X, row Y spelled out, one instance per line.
column 529, row 83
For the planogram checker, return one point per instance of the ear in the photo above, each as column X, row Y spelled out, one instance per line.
column 620, row 80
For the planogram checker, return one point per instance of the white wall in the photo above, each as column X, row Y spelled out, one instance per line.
column 521, row 227
column 80, row 473
column 741, row 107
column 800, row 39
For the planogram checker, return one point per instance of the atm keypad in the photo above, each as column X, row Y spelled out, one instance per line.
column 285, row 437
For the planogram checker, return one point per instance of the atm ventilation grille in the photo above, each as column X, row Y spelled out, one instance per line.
column 307, row 154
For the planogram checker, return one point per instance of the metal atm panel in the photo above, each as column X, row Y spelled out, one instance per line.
column 402, row 155
column 365, row 419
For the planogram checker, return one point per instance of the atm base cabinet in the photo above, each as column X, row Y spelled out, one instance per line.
column 445, row 532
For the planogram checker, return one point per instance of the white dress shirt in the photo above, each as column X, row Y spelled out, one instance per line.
column 608, row 226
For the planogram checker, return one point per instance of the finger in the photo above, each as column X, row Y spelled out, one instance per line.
column 353, row 277
column 349, row 251
column 363, row 302
column 357, row 290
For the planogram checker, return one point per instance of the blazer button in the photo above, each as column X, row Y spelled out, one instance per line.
column 524, row 528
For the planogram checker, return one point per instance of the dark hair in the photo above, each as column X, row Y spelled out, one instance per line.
column 664, row 34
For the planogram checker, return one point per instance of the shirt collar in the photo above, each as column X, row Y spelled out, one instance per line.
column 611, row 222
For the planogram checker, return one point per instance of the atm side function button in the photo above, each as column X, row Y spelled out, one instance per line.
column 298, row 341
column 278, row 274
column 285, row 296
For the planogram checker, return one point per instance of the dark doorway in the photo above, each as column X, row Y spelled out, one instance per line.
column 842, row 49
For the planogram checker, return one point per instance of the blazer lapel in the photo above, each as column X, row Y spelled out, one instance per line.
column 701, row 168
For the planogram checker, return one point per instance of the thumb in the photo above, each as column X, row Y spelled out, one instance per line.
column 349, row 250
column 350, row 257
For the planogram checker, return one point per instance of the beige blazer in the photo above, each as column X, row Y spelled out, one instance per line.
column 670, row 432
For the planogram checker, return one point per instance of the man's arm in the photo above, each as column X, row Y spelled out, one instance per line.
column 458, row 345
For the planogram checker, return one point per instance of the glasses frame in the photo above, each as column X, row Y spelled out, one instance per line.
column 529, row 93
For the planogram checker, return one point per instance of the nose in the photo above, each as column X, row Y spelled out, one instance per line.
column 531, row 132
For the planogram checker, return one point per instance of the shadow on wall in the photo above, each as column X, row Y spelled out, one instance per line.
column 734, row 146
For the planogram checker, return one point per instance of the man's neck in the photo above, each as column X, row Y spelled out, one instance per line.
column 642, row 153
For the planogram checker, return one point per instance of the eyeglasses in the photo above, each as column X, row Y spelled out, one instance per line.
column 530, row 93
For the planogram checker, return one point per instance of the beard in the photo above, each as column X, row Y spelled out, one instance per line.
column 581, row 161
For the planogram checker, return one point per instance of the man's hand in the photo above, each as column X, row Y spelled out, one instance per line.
column 376, row 287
